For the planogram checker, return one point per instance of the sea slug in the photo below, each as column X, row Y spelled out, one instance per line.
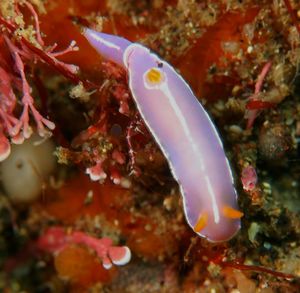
column 185, row 133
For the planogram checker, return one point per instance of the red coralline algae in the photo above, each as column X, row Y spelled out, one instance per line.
column 132, row 130
column 55, row 239
column 111, row 202
column 208, row 51
column 28, row 104
column 13, row 78
column 258, row 105
column 252, row 113
column 4, row 147
column 249, row 178
column 96, row 172
column 7, row 105
column 81, row 268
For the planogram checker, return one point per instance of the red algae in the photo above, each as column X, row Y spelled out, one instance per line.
column 60, row 15
column 207, row 51
column 110, row 201
column 78, row 265
column 107, row 199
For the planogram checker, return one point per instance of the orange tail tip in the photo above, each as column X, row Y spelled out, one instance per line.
column 232, row 213
column 201, row 223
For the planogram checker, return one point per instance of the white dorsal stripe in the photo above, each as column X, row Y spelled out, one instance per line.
column 165, row 89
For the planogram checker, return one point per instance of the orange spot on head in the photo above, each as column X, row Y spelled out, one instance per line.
column 154, row 76
column 201, row 223
column 232, row 213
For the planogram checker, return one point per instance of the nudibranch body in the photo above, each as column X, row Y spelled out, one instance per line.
column 185, row 134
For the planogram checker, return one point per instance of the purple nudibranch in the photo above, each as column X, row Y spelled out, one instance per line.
column 185, row 133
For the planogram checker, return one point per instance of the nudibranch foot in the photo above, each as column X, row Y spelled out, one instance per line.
column 185, row 134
